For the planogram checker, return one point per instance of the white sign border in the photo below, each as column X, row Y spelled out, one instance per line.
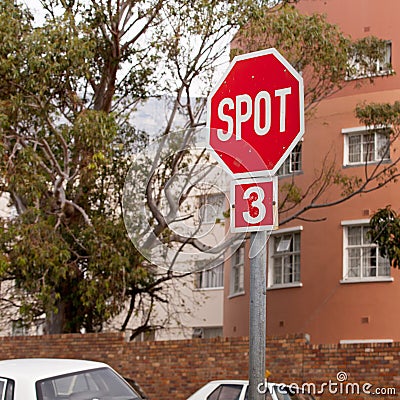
column 299, row 78
column 254, row 228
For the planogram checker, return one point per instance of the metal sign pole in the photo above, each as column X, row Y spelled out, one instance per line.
column 258, row 302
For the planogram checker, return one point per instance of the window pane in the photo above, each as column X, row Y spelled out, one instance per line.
column 210, row 278
column 296, row 276
column 226, row 392
column 296, row 158
column 212, row 207
column 383, row 146
column 217, row 274
column 373, row 146
column 285, row 168
column 241, row 278
column 215, row 394
column 354, row 148
column 2, row 388
column 369, row 147
column 286, row 259
column 365, row 237
column 236, row 284
column 236, row 287
column 284, row 244
column 239, row 256
column 361, row 66
column 277, row 271
column 383, row 266
column 296, row 242
column 292, row 162
column 237, row 272
column 9, row 389
column 363, row 259
column 354, row 262
column 288, row 269
column 354, row 236
column 369, row 262
column 384, row 66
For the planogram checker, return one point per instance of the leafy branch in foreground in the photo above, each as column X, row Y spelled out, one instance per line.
column 385, row 232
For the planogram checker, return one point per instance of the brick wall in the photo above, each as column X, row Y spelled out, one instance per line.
column 175, row 369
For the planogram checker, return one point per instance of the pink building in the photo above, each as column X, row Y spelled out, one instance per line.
column 325, row 278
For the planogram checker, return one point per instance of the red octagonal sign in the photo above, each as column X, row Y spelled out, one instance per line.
column 256, row 114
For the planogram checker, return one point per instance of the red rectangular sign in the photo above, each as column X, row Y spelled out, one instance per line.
column 254, row 204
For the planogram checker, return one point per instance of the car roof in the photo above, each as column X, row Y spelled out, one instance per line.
column 42, row 368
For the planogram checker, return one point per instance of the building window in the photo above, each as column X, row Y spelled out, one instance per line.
column 285, row 259
column 211, row 207
column 237, row 272
column 207, row 332
column 366, row 146
column 362, row 259
column 293, row 162
column 19, row 328
column 146, row 336
column 210, row 278
column 361, row 66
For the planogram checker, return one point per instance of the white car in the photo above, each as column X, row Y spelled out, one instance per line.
column 61, row 379
column 238, row 390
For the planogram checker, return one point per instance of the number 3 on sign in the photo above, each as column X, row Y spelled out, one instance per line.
column 254, row 204
column 257, row 210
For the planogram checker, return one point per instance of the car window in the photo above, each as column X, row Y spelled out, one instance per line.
column 268, row 395
column 3, row 384
column 283, row 393
column 6, row 389
column 97, row 383
column 226, row 392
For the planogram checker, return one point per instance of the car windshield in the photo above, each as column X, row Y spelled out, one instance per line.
column 285, row 393
column 97, row 384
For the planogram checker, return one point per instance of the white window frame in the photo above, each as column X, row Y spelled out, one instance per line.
column 363, row 131
column 147, row 336
column 383, row 68
column 211, row 208
column 287, row 168
column 207, row 332
column 19, row 328
column 210, row 278
column 360, row 279
column 236, row 284
column 271, row 257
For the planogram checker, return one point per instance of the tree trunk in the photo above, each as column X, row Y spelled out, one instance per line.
column 55, row 321
column 64, row 320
